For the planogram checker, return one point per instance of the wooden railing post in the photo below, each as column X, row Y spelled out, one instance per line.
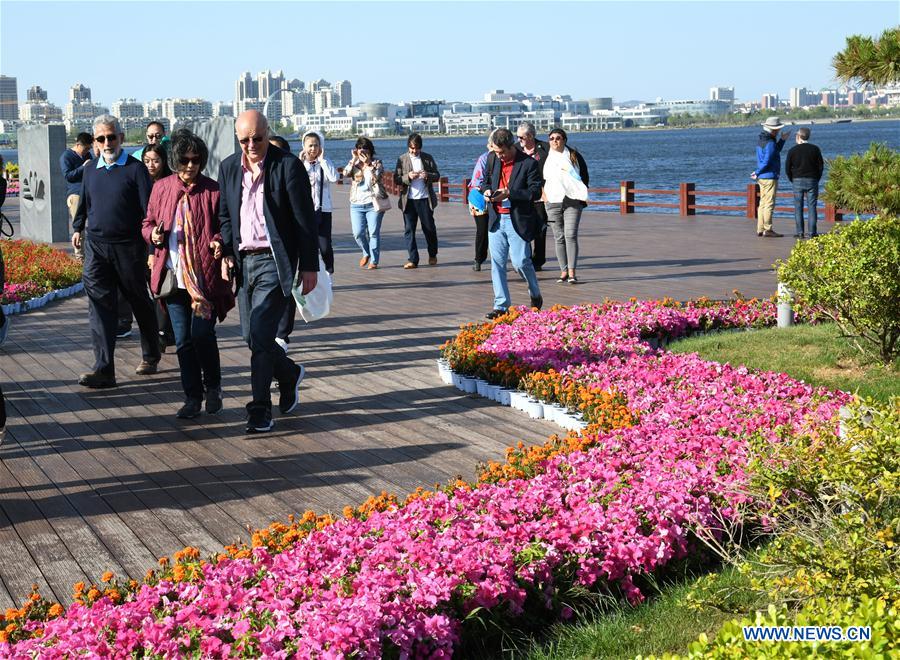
column 686, row 199
column 445, row 190
column 752, row 200
column 465, row 190
column 626, row 197
column 832, row 214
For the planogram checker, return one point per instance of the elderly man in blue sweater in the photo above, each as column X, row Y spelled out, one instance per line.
column 768, row 167
column 116, row 189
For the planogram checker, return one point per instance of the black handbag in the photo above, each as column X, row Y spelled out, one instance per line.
column 169, row 285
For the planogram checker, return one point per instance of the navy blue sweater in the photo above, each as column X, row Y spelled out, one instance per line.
column 114, row 202
column 72, row 166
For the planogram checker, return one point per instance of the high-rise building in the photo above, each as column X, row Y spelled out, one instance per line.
column 223, row 109
column 40, row 112
column 246, row 88
column 35, row 94
column 343, row 95
column 127, row 108
column 828, row 97
column 769, row 101
column 269, row 83
column 184, row 110
column 722, row 94
column 323, row 98
column 9, row 98
column 79, row 93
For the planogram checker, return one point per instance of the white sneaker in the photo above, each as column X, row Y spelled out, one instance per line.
column 281, row 342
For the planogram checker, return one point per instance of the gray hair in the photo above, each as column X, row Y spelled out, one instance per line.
column 490, row 139
column 529, row 127
column 803, row 133
column 503, row 138
column 106, row 120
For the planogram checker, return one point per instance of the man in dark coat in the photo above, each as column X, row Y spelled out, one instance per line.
column 511, row 185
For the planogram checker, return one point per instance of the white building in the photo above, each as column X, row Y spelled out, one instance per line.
column 592, row 122
column 184, row 110
column 467, row 123
column 378, row 127
column 420, row 125
column 40, row 112
column 722, row 94
column 125, row 108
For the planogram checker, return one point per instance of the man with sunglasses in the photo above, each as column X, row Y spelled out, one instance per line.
column 528, row 144
column 156, row 134
column 113, row 203
column 269, row 231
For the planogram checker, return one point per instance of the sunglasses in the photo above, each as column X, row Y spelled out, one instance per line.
column 154, row 136
column 555, row 138
column 193, row 161
column 256, row 139
column 112, row 137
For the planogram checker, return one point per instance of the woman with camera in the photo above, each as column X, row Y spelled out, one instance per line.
column 367, row 200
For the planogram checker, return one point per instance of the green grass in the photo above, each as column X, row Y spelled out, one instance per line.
column 815, row 354
column 668, row 622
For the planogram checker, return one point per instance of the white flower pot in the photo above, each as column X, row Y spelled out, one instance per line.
column 469, row 385
column 445, row 372
column 518, row 399
column 491, row 391
column 503, row 396
column 457, row 381
column 480, row 386
column 553, row 412
column 535, row 409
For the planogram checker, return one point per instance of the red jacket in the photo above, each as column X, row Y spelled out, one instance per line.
column 204, row 203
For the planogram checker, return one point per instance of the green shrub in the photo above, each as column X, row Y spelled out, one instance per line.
column 866, row 183
column 882, row 617
column 850, row 275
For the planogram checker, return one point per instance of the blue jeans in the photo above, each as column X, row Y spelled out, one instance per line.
column 810, row 187
column 196, row 346
column 506, row 243
column 262, row 304
column 365, row 221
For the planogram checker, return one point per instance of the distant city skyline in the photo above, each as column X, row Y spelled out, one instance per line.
column 452, row 51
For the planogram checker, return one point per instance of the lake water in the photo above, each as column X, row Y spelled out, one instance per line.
column 712, row 158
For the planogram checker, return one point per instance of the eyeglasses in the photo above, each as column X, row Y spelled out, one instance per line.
column 522, row 137
column 153, row 136
column 184, row 160
column 555, row 138
column 112, row 137
column 256, row 139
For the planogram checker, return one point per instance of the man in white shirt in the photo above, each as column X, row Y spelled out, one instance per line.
column 416, row 173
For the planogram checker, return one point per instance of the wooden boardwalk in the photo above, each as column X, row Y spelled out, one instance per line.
column 96, row 480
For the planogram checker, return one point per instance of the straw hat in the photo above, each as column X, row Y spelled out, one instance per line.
column 772, row 124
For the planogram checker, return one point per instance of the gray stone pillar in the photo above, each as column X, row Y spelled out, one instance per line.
column 218, row 134
column 43, row 213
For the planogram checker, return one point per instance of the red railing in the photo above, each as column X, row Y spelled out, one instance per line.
column 624, row 198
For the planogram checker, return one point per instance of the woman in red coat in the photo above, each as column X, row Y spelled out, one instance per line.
column 182, row 225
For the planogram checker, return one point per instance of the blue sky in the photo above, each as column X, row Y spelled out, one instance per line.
column 425, row 50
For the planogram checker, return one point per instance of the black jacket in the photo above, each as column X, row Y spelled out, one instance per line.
column 288, row 209
column 804, row 161
column 525, row 184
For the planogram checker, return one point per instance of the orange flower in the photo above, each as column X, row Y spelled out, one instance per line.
column 107, row 577
column 55, row 610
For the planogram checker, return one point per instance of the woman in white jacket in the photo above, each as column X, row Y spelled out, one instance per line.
column 322, row 174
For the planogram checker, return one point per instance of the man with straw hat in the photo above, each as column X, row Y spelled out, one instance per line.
column 768, row 167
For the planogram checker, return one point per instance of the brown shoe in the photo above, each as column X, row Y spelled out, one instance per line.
column 147, row 368
column 771, row 234
column 373, row 266
column 432, row 261
column 409, row 265
column 363, row 261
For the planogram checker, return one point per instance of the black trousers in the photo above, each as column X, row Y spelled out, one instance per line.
column 111, row 270
column 539, row 244
column 481, row 237
column 325, row 247
column 419, row 209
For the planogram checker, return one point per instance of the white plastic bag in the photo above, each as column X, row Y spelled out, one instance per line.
column 316, row 304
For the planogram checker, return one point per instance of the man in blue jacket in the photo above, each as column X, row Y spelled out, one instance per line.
column 72, row 164
column 768, row 167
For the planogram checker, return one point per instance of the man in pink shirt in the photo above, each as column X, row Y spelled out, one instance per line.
column 269, row 230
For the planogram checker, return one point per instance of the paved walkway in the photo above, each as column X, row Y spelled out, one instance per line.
column 109, row 480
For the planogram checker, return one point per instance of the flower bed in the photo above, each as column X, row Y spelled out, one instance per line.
column 36, row 274
column 666, row 453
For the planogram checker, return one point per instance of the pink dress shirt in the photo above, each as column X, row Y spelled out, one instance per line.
column 253, row 221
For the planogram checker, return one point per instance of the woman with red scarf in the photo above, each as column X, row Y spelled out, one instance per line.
column 182, row 225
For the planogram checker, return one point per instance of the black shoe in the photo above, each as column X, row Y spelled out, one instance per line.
column 96, row 380
column 189, row 410
column 476, row 266
column 538, row 269
column 290, row 391
column 537, row 302
column 260, row 421
column 573, row 280
column 213, row 400
column 122, row 333
column 563, row 278
column 495, row 313
column 798, row 235
column 771, row 234
column 759, row 233
column 147, row 367
column 813, row 235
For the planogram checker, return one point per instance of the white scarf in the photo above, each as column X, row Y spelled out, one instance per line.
column 562, row 179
